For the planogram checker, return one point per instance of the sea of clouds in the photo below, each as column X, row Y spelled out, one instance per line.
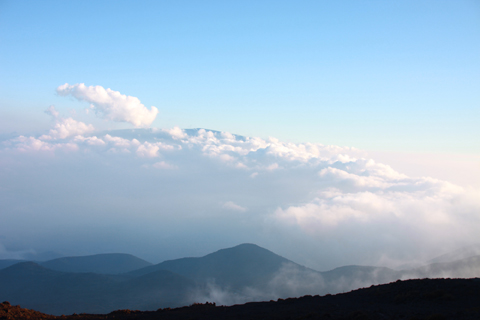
column 167, row 193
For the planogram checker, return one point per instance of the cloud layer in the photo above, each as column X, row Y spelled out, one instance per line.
column 167, row 193
column 237, row 189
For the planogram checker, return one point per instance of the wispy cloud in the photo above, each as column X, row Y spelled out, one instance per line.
column 230, row 205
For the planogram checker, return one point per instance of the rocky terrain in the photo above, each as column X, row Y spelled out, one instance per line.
column 432, row 299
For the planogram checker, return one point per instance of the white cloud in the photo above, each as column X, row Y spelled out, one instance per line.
column 147, row 149
column 65, row 127
column 52, row 111
column 112, row 104
column 336, row 176
column 121, row 142
column 164, row 165
column 32, row 144
column 176, row 133
column 273, row 166
column 230, row 205
column 150, row 150
column 93, row 141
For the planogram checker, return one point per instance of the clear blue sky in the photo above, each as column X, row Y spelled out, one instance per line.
column 377, row 75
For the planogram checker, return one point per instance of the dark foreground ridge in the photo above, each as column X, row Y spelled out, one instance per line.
column 432, row 299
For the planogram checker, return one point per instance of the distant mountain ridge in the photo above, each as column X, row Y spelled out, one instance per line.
column 107, row 263
column 460, row 254
column 55, row 292
column 243, row 265
column 9, row 262
column 247, row 272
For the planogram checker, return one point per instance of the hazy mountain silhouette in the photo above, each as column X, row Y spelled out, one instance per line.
column 352, row 277
column 41, row 256
column 237, row 267
column 464, row 268
column 158, row 289
column 55, row 292
column 109, row 263
column 36, row 287
column 8, row 262
column 462, row 253
column 235, row 275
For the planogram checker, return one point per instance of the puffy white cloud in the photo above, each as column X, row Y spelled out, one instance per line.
column 32, row 144
column 121, row 142
column 65, row 127
column 93, row 141
column 336, row 177
column 112, row 104
column 176, row 133
column 150, row 150
column 147, row 149
column 68, row 127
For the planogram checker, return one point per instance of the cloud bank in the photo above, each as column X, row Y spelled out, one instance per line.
column 169, row 193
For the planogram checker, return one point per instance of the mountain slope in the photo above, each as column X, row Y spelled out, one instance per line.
column 229, row 276
column 413, row 299
column 352, row 277
column 238, row 267
column 110, row 263
column 460, row 254
column 36, row 287
column 464, row 268
column 52, row 291
column 4, row 263
column 158, row 289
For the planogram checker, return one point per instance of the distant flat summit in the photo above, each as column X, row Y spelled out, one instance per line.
column 108, row 263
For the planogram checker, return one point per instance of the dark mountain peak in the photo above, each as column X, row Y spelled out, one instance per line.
column 27, row 265
column 244, row 250
column 243, row 265
column 28, row 268
column 246, row 246
column 107, row 263
column 4, row 263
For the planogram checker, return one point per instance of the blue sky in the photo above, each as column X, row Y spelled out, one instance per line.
column 371, row 74
column 358, row 124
